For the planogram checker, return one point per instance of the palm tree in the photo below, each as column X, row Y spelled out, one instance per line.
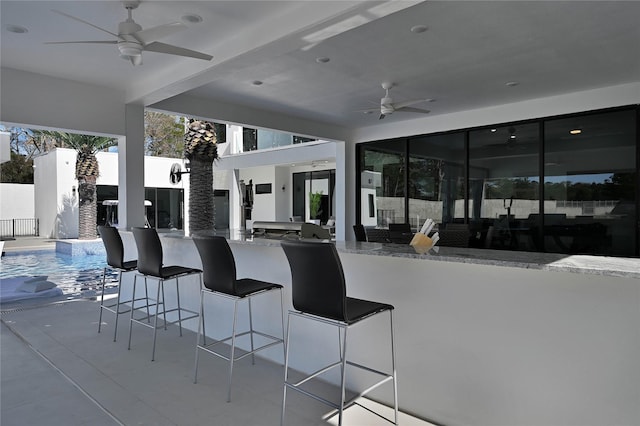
column 201, row 149
column 87, row 172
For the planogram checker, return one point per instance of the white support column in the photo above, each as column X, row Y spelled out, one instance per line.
column 341, row 192
column 235, row 201
column 131, row 208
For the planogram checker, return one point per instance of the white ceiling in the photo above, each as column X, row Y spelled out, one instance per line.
column 463, row 61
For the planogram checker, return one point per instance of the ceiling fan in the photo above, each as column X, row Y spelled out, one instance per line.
column 388, row 107
column 132, row 40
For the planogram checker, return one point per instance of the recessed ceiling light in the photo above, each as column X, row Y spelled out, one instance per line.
column 322, row 60
column 257, row 83
column 16, row 29
column 575, row 131
column 494, row 130
column 418, row 29
column 192, row 18
column 511, row 83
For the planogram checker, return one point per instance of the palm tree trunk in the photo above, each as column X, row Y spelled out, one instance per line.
column 201, row 206
column 87, row 210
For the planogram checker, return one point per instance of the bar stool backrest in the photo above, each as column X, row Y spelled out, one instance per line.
column 113, row 246
column 218, row 263
column 317, row 279
column 149, row 251
column 359, row 232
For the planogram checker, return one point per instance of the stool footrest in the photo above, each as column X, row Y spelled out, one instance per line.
column 111, row 307
column 146, row 318
column 296, row 385
column 208, row 347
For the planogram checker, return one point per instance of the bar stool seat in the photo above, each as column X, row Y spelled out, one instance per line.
column 219, row 270
column 319, row 294
column 150, row 266
column 115, row 260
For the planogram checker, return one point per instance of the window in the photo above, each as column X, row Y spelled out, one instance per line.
column 504, row 185
column 590, row 184
column 322, row 182
column 436, row 179
column 382, row 174
column 490, row 178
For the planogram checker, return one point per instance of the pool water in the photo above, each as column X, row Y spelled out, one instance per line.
column 74, row 275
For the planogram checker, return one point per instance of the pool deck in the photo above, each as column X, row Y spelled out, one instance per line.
column 57, row 370
column 29, row 244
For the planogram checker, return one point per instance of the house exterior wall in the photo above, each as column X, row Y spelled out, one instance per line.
column 55, row 192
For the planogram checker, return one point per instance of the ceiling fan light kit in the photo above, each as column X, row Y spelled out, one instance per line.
column 132, row 40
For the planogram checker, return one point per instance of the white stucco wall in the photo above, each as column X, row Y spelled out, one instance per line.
column 16, row 201
column 264, row 205
column 5, row 147
column 56, row 204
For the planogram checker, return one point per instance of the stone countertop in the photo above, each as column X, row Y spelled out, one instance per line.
column 585, row 264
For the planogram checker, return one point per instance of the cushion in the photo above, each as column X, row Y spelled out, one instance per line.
column 37, row 278
column 35, row 286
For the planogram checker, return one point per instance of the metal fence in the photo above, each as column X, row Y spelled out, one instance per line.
column 19, row 228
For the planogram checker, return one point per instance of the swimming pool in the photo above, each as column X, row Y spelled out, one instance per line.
column 74, row 275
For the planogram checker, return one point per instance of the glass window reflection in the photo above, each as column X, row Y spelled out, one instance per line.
column 382, row 169
column 436, row 179
column 590, row 184
column 504, row 185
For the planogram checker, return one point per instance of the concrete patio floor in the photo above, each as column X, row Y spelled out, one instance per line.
column 55, row 369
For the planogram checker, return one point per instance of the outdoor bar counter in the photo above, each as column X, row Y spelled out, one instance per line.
column 483, row 337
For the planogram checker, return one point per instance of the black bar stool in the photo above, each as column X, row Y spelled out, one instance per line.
column 219, row 269
column 319, row 294
column 150, row 266
column 115, row 260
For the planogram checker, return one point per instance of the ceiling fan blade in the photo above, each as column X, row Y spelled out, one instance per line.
column 411, row 109
column 82, row 42
column 408, row 103
column 175, row 50
column 84, row 22
column 152, row 34
column 369, row 110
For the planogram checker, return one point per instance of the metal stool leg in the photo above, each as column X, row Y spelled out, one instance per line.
column 253, row 355
column 115, row 327
column 286, row 369
column 179, row 309
column 155, row 321
column 133, row 297
column 104, row 276
column 200, row 331
column 284, row 346
column 393, row 369
column 343, row 380
column 233, row 347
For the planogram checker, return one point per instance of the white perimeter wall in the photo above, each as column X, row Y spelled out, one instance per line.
column 17, row 201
